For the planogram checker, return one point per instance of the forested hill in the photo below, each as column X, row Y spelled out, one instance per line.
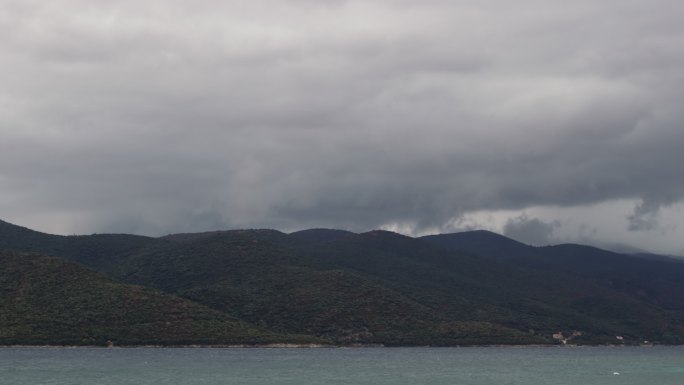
column 51, row 301
column 372, row 288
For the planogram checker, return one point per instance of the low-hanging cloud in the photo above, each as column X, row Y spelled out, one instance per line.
column 532, row 231
column 167, row 116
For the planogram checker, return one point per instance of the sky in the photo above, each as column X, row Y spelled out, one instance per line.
column 548, row 121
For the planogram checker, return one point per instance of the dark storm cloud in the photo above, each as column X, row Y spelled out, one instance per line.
column 164, row 116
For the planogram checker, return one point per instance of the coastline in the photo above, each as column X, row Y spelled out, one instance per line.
column 316, row 346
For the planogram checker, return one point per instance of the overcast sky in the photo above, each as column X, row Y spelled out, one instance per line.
column 549, row 121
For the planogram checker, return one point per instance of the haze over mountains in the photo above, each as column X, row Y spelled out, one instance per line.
column 329, row 287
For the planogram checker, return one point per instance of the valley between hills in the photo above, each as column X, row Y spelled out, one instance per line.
column 329, row 287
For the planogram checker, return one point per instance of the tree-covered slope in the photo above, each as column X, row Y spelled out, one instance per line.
column 92, row 250
column 504, row 291
column 386, row 288
column 382, row 287
column 659, row 281
column 47, row 300
column 272, row 279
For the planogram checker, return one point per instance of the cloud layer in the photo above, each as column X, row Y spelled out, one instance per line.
column 168, row 116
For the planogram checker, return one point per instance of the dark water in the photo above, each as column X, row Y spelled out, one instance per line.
column 453, row 366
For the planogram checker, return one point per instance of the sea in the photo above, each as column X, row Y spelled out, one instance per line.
column 658, row 365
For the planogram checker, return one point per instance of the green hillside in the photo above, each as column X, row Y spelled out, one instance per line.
column 270, row 279
column 47, row 300
column 384, row 288
column 381, row 287
column 95, row 249
column 465, row 286
column 656, row 279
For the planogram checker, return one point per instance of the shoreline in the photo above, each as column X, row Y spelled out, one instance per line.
column 317, row 346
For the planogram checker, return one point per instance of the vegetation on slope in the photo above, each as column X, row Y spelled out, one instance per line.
column 382, row 287
column 264, row 277
column 47, row 300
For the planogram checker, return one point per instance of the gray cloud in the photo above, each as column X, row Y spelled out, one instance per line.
column 531, row 230
column 166, row 116
column 645, row 216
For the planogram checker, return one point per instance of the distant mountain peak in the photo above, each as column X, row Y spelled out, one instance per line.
column 385, row 233
column 5, row 224
column 322, row 234
column 481, row 242
column 242, row 233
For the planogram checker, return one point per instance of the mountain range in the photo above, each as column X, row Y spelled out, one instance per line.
column 330, row 287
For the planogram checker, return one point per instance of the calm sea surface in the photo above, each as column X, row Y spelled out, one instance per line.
column 396, row 366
